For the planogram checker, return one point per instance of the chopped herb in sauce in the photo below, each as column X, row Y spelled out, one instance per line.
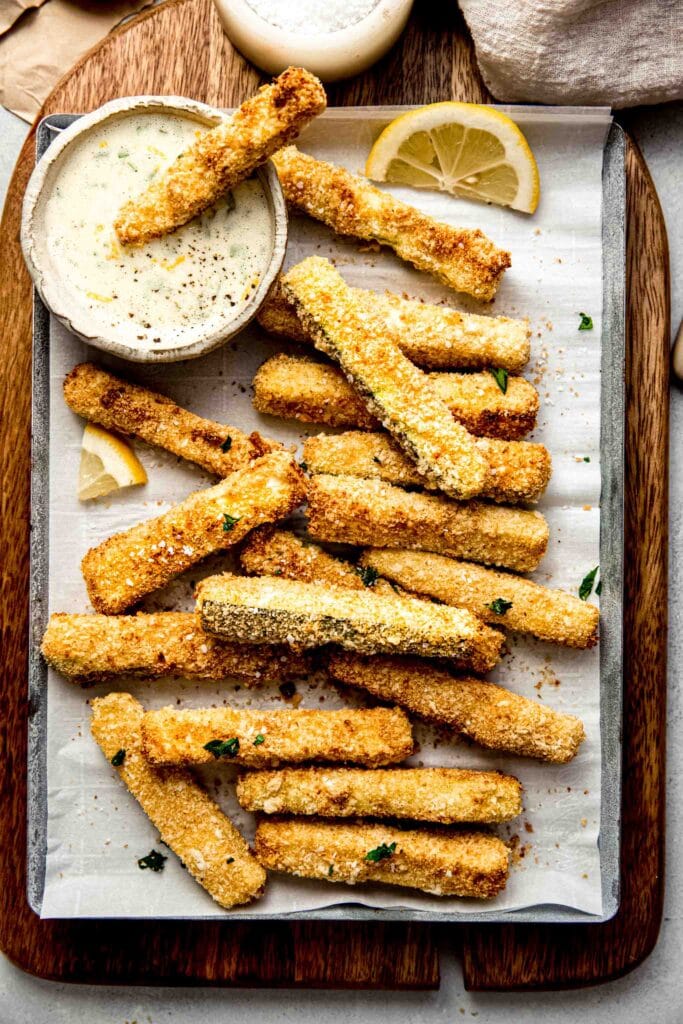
column 330, row 871
column 223, row 748
column 259, row 740
column 304, row 466
column 154, row 861
column 230, row 860
column 118, row 758
column 586, row 322
column 586, row 585
column 501, row 378
column 500, row 606
column 367, row 574
column 229, row 522
column 227, row 444
column 381, row 852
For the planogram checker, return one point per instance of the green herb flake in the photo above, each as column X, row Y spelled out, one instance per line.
column 223, row 748
column 230, row 860
column 123, row 153
column 381, row 852
column 586, row 458
column 259, row 740
column 287, row 690
column 501, row 378
column 586, row 322
column 330, row 871
column 154, row 861
column 598, row 589
column 229, row 522
column 227, row 444
column 500, row 606
column 118, row 758
column 586, row 586
column 368, row 575
column 304, row 466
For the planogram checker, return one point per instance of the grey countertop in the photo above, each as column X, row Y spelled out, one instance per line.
column 654, row 992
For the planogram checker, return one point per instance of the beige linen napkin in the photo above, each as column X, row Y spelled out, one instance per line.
column 621, row 53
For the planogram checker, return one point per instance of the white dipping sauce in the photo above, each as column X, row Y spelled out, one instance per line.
column 168, row 292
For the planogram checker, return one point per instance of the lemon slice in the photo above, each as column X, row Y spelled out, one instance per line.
column 466, row 149
column 107, row 464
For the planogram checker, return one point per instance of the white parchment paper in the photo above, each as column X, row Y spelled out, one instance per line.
column 96, row 831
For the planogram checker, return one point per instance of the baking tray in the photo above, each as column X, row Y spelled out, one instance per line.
column 611, row 561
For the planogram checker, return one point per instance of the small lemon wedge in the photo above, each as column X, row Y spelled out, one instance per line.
column 466, row 149
column 107, row 464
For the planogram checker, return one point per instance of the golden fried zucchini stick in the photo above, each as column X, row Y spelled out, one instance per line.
column 189, row 822
column 471, row 864
column 393, row 388
column 371, row 513
column 496, row 597
column 445, row 795
column 518, row 471
column 296, row 387
column 94, row 648
column 258, row 739
column 223, row 156
column 271, row 609
column 102, row 398
column 131, row 564
column 462, row 258
column 488, row 714
column 434, row 337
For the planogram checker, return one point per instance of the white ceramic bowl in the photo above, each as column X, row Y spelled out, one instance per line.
column 329, row 55
column 48, row 276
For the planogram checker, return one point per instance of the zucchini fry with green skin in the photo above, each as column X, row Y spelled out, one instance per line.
column 102, row 398
column 134, row 563
column 393, row 388
column 490, row 715
column 223, row 157
column 473, row 864
column 271, row 609
column 91, row 649
column 462, row 258
column 443, row 795
column 371, row 513
column 518, row 471
column 188, row 820
column 524, row 606
column 261, row 739
column 297, row 387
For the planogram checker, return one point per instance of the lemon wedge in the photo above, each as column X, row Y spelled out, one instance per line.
column 469, row 150
column 107, row 464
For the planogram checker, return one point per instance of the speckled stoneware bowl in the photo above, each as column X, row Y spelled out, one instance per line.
column 48, row 275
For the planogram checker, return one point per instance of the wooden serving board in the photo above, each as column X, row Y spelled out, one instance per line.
column 179, row 48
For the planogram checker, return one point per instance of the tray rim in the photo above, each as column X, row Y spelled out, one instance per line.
column 613, row 343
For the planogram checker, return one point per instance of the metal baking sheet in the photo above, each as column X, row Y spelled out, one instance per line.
column 611, row 561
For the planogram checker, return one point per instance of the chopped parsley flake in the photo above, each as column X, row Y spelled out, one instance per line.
column 259, row 740
column 586, row 458
column 230, row 860
column 598, row 589
column 229, row 522
column 330, row 871
column 154, row 861
column 586, row 322
column 381, row 852
column 304, row 466
column 223, row 748
column 586, row 586
column 118, row 758
column 227, row 444
column 501, row 378
column 287, row 690
column 500, row 606
column 367, row 574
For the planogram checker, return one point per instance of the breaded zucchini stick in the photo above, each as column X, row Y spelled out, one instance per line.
column 271, row 609
column 102, row 398
column 444, row 863
column 445, row 795
column 296, row 387
column 223, row 157
column 371, row 513
column 496, row 597
column 271, row 551
column 518, row 471
column 129, row 565
column 462, row 258
column 93, row 648
column 392, row 387
column 189, row 822
column 259, row 739
column 434, row 337
column 488, row 714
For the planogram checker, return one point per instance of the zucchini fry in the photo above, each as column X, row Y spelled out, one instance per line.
column 434, row 337
column 523, row 606
column 102, row 398
column 296, row 387
column 463, row 259
column 371, row 513
column 488, row 714
column 444, row 795
column 91, row 649
column 393, row 388
column 271, row 609
column 258, row 739
column 189, row 822
column 131, row 564
column 518, row 471
column 471, row 864
column 222, row 157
